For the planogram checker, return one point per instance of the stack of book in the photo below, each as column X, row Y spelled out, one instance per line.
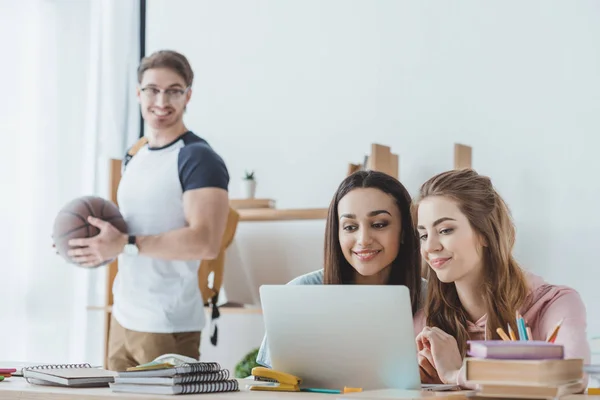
column 522, row 369
column 196, row 377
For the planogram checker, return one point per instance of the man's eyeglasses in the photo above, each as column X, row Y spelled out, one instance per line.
column 170, row 94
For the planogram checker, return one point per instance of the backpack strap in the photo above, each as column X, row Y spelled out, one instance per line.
column 215, row 268
column 134, row 149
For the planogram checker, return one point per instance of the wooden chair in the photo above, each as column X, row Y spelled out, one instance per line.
column 207, row 267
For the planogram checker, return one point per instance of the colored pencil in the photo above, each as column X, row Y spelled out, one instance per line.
column 554, row 333
column 523, row 328
column 520, row 327
column 502, row 334
column 511, row 333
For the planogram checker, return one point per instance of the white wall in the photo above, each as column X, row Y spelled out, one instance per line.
column 298, row 89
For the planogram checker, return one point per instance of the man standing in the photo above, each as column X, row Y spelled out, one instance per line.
column 173, row 196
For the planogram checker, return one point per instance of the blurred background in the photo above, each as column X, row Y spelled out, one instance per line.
column 293, row 91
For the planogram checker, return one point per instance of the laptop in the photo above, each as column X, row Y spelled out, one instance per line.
column 332, row 336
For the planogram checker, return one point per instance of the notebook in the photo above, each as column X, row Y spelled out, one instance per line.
column 192, row 377
column 186, row 368
column 515, row 350
column 72, row 375
column 230, row 385
column 174, row 380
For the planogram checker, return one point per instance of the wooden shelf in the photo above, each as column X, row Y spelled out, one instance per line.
column 273, row 214
column 244, row 204
column 222, row 309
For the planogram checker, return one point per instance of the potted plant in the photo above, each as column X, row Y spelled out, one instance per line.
column 243, row 368
column 249, row 185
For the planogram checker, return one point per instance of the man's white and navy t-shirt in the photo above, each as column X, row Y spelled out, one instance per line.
column 153, row 295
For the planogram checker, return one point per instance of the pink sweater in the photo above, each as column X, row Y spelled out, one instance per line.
column 544, row 307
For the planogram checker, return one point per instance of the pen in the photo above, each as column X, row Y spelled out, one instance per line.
column 318, row 390
column 332, row 391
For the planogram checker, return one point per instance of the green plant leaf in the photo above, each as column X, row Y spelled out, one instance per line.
column 243, row 368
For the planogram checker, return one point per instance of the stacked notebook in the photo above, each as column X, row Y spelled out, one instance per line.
column 197, row 377
column 71, row 375
column 522, row 369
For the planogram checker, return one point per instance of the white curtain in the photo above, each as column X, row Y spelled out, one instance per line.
column 68, row 105
column 112, row 122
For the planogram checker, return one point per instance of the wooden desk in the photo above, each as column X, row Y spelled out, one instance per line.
column 17, row 388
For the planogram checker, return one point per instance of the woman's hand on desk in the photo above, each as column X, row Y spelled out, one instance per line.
column 445, row 356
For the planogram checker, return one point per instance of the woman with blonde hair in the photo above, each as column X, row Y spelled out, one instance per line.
column 475, row 286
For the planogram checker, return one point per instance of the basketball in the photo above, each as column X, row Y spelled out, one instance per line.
column 71, row 222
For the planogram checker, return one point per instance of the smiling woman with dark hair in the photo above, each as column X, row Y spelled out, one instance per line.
column 370, row 239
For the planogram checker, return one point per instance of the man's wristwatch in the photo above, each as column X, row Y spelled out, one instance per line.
column 131, row 248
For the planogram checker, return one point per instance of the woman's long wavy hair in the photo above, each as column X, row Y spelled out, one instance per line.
column 504, row 285
column 406, row 266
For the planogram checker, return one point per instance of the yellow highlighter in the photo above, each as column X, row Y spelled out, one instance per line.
column 282, row 382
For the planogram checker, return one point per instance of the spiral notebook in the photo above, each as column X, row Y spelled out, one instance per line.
column 230, row 385
column 222, row 375
column 71, row 375
column 193, row 377
column 186, row 368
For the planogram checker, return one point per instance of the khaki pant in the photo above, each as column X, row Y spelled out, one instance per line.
column 128, row 348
